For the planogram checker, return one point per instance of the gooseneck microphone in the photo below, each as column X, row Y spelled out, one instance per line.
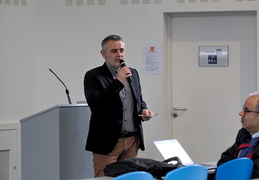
column 67, row 92
column 123, row 64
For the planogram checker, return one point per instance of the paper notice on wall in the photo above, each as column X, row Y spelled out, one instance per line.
column 152, row 60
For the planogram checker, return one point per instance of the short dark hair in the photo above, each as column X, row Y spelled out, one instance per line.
column 110, row 37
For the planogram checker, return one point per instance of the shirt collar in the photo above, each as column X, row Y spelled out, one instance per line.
column 255, row 135
column 113, row 71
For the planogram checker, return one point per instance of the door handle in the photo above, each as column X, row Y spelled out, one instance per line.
column 179, row 109
column 175, row 109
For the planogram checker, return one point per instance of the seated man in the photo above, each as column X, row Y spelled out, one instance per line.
column 246, row 144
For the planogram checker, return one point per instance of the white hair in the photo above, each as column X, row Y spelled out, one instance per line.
column 254, row 93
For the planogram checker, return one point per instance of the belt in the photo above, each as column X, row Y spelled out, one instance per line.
column 127, row 134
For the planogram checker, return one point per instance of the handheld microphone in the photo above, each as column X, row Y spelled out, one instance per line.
column 67, row 92
column 123, row 64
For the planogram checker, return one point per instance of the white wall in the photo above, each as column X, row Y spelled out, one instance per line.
column 17, row 61
column 36, row 35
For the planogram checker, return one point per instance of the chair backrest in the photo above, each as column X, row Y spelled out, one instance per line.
column 237, row 169
column 190, row 172
column 136, row 175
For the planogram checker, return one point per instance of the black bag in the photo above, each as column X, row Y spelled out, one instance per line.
column 156, row 168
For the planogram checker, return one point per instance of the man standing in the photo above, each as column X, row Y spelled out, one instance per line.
column 246, row 144
column 113, row 93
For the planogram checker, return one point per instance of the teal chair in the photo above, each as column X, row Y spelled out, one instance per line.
column 237, row 169
column 136, row 175
column 190, row 172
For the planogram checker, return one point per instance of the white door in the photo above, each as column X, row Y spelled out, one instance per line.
column 212, row 96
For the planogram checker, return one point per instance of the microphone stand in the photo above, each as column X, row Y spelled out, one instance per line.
column 67, row 91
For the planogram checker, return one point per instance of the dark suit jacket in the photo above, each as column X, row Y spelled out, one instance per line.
column 242, row 137
column 102, row 95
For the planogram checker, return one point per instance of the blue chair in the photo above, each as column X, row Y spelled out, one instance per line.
column 237, row 169
column 136, row 175
column 191, row 172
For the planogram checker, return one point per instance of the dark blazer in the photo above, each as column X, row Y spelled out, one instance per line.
column 242, row 137
column 102, row 95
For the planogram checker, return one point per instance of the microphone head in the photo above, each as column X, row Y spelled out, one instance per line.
column 122, row 63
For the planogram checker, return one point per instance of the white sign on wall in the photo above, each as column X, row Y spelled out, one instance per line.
column 152, row 60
